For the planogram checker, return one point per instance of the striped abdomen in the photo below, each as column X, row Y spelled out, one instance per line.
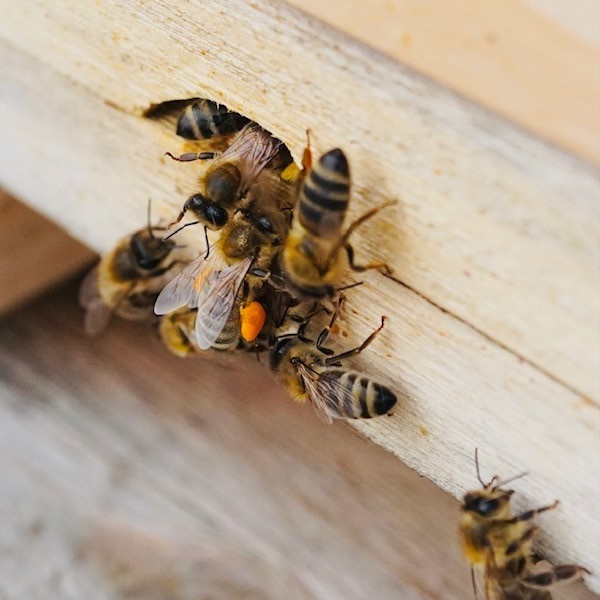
column 324, row 195
column 229, row 337
column 204, row 119
column 354, row 395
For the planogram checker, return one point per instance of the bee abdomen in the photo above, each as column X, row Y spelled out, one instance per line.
column 204, row 119
column 325, row 193
column 229, row 338
column 359, row 396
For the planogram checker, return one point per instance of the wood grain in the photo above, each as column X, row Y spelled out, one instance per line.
column 35, row 254
column 531, row 61
column 141, row 476
column 492, row 335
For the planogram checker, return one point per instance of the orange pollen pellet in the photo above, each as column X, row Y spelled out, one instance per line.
column 252, row 320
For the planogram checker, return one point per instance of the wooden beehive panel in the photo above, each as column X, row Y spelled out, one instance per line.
column 493, row 320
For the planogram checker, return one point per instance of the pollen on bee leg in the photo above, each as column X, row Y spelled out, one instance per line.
column 252, row 320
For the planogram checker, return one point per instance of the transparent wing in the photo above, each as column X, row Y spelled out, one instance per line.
column 251, row 150
column 88, row 290
column 97, row 317
column 329, row 397
column 97, row 314
column 216, row 302
column 185, row 287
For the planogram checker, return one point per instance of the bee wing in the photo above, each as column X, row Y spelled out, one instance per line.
column 185, row 287
column 216, row 302
column 97, row 314
column 330, row 398
column 88, row 290
column 314, row 390
column 251, row 150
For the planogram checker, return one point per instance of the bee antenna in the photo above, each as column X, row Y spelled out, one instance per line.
column 473, row 583
column 179, row 229
column 148, row 212
column 511, row 479
column 484, row 485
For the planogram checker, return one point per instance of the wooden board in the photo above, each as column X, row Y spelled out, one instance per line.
column 36, row 254
column 492, row 336
column 146, row 479
column 532, row 61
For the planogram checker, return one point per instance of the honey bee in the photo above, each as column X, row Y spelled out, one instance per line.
column 245, row 323
column 231, row 174
column 200, row 119
column 127, row 280
column 312, row 373
column 176, row 331
column 235, row 270
column 312, row 260
column 500, row 543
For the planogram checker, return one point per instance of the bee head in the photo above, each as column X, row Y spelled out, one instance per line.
column 211, row 214
column 488, row 503
column 149, row 251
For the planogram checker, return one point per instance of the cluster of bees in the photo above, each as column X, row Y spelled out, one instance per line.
column 280, row 263
column 276, row 269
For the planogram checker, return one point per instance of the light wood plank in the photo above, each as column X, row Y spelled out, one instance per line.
column 484, row 209
column 35, row 254
column 524, row 60
column 494, row 227
column 140, row 476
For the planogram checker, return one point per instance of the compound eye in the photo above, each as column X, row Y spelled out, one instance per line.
column 487, row 507
column 265, row 224
column 194, row 202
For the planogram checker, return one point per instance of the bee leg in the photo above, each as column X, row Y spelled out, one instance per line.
column 530, row 514
column 260, row 273
column 556, row 575
column 349, row 286
column 380, row 266
column 330, row 360
column 190, row 156
column 206, row 242
column 343, row 242
column 307, row 154
column 179, row 228
column 300, row 333
column 325, row 332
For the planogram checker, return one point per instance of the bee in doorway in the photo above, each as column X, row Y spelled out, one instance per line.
column 200, row 119
column 231, row 174
column 128, row 279
column 499, row 542
column 311, row 372
column 317, row 255
column 233, row 274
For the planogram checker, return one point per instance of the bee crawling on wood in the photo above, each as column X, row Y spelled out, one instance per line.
column 312, row 372
column 128, row 279
column 499, row 542
column 232, row 172
column 225, row 287
column 317, row 254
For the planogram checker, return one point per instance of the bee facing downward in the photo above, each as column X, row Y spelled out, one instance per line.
column 317, row 255
column 231, row 174
column 311, row 372
column 127, row 280
column 500, row 543
column 236, row 267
